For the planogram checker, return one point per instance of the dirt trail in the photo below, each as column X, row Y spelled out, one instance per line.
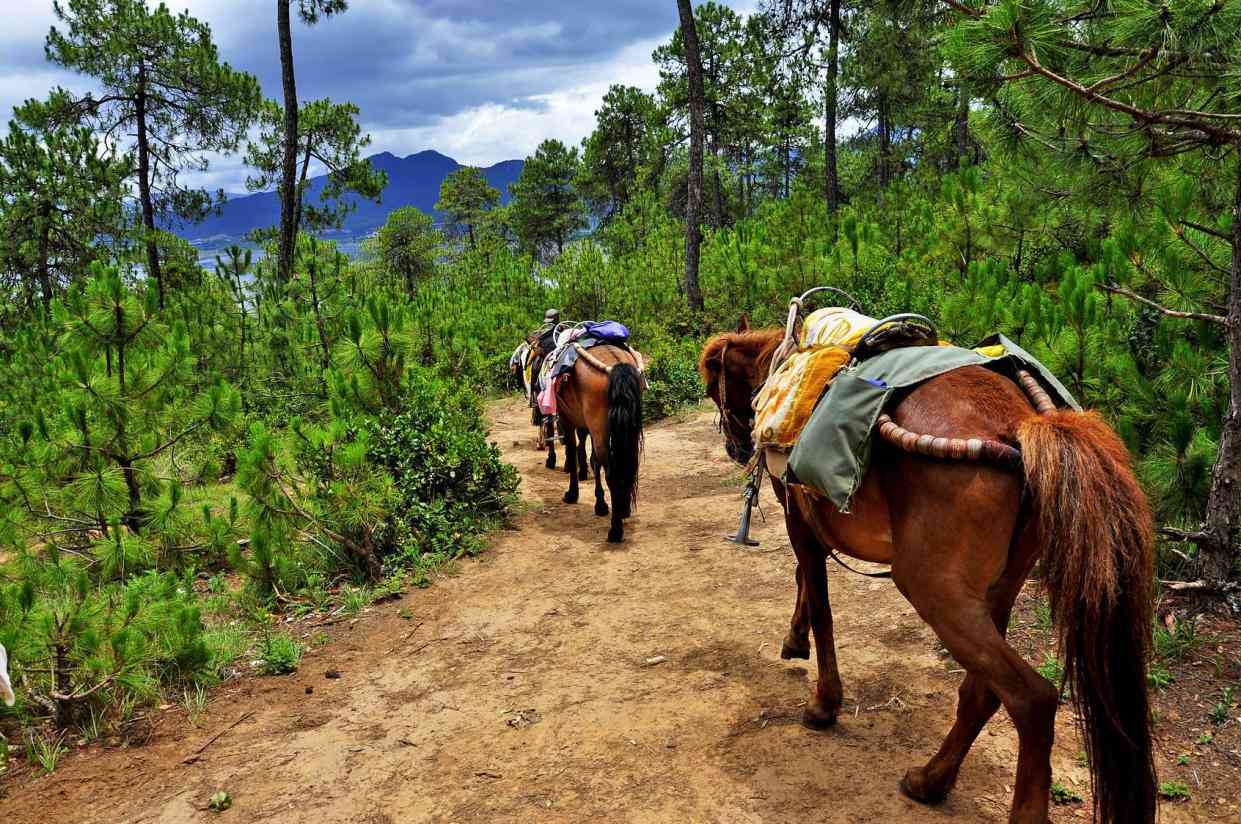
column 520, row 691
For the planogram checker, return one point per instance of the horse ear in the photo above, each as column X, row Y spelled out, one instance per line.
column 743, row 325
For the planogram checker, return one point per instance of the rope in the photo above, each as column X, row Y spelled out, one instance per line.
column 887, row 573
column 606, row 368
column 1043, row 403
column 959, row 449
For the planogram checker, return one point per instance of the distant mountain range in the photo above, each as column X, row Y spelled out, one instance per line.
column 412, row 181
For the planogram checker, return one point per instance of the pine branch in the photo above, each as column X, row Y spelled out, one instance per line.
column 1208, row 230
column 1180, row 233
column 1141, row 115
column 1172, row 313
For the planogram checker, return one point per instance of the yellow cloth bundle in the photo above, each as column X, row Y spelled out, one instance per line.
column 786, row 400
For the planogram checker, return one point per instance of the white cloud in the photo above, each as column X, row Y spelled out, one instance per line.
column 492, row 132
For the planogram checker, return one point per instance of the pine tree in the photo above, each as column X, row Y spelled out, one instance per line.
column 327, row 134
column 465, row 199
column 163, row 82
column 613, row 154
column 310, row 11
column 116, row 396
column 62, row 194
column 693, row 202
column 546, row 210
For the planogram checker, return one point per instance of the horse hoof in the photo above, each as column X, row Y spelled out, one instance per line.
column 615, row 536
column 817, row 719
column 601, row 509
column 550, row 463
column 570, row 497
column 912, row 788
column 788, row 652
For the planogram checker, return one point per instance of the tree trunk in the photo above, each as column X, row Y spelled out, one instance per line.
column 144, row 186
column 241, row 371
column 64, row 686
column 963, row 125
column 45, row 277
column 288, row 171
column 693, row 202
column 1217, row 551
column 885, row 142
column 133, row 517
column 830, row 104
column 325, row 357
column 298, row 191
column 717, row 201
column 788, row 167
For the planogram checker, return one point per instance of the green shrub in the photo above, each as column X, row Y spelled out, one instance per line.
column 84, row 646
column 279, row 654
column 672, row 376
column 451, row 484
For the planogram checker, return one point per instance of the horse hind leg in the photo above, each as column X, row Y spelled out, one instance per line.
column 601, row 501
column 932, row 782
column 968, row 629
column 570, row 462
column 582, row 466
column 616, row 532
column 976, row 701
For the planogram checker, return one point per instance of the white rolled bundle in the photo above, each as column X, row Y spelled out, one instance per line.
column 6, row 687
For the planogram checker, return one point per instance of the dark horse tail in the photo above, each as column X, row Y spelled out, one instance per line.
column 624, row 434
column 1098, row 536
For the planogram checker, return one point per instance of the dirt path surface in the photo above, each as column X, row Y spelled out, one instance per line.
column 520, row 690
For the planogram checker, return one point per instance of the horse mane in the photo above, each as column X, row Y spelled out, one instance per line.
column 758, row 343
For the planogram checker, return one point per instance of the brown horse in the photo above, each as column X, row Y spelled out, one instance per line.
column 961, row 537
column 602, row 398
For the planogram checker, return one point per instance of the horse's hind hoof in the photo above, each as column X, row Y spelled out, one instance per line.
column 788, row 653
column 550, row 463
column 911, row 788
column 817, row 719
column 570, row 497
column 615, row 536
column 601, row 509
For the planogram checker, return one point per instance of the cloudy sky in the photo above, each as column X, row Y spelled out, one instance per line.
column 479, row 80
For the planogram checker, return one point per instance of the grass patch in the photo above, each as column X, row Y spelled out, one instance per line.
column 1174, row 790
column 45, row 751
column 227, row 643
column 1061, row 794
column 279, row 655
column 1175, row 642
column 1223, row 708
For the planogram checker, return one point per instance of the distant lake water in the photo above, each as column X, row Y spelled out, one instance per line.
column 208, row 252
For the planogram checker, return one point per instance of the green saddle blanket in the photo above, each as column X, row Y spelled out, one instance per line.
column 833, row 452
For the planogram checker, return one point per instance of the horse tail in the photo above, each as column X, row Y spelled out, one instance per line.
column 1099, row 557
column 624, row 433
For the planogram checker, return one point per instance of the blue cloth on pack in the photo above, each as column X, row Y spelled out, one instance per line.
column 608, row 330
